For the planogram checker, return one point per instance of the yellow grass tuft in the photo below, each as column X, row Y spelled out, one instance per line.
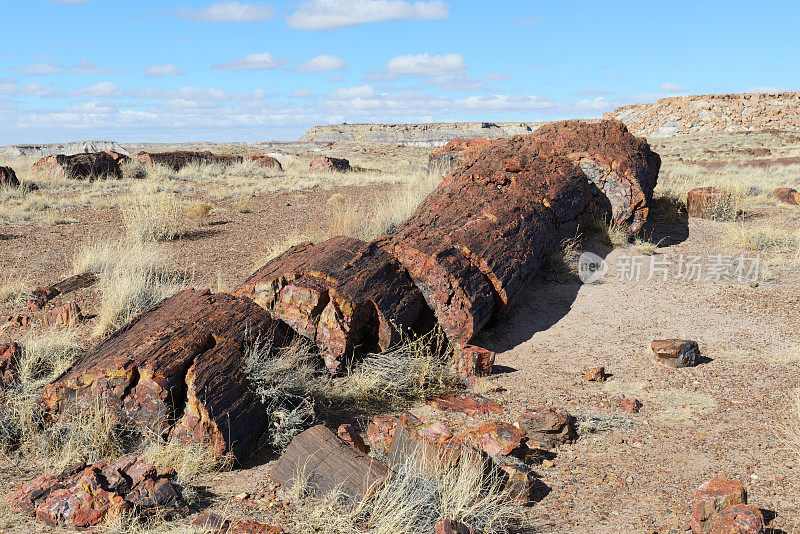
column 153, row 218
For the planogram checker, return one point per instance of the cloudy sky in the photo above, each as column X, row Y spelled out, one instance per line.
column 174, row 70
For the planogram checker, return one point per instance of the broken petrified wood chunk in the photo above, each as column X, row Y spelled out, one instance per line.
column 380, row 432
column 707, row 202
column 8, row 362
column 350, row 435
column 712, row 497
column 485, row 230
column 177, row 369
column 676, row 352
column 496, row 438
column 414, row 440
column 467, row 403
column 547, row 427
column 84, row 496
column 520, row 481
column 324, row 464
column 472, row 361
column 329, row 164
column 737, row 519
column 785, row 195
column 42, row 295
column 598, row 374
column 66, row 316
column 342, row 294
column 265, row 161
column 621, row 165
column 83, row 166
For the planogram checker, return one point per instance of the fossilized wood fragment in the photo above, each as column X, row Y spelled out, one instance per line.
column 179, row 159
column 177, row 370
column 83, row 166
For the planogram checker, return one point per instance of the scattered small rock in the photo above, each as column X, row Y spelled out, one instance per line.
column 630, row 405
column 676, row 352
column 597, row 374
column 712, row 497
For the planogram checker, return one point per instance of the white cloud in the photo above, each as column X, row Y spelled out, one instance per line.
column 322, row 63
column 260, row 61
column 302, row 93
column 320, row 15
column 669, row 87
column 160, row 71
column 84, row 66
column 203, row 94
column 362, row 91
column 425, row 65
column 102, row 89
column 10, row 88
column 229, row 12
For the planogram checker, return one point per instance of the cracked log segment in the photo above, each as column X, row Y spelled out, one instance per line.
column 621, row 165
column 42, row 295
column 181, row 158
column 177, row 370
column 83, row 166
column 485, row 230
column 343, row 294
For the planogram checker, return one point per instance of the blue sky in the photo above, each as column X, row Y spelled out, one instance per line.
column 254, row 71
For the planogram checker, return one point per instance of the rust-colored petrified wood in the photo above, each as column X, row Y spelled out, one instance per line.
column 181, row 158
column 327, row 464
column 177, row 370
column 342, row 294
column 621, row 165
column 83, row 166
column 42, row 295
column 485, row 230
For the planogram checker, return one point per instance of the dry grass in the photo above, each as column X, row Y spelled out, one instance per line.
column 199, row 212
column 417, row 498
column 15, row 291
column 132, row 277
column 764, row 238
column 561, row 266
column 154, row 218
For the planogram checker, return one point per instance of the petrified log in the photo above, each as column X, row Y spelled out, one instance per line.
column 85, row 496
column 8, row 177
column 622, row 166
column 341, row 294
column 453, row 153
column 265, row 161
column 414, row 441
column 738, row 519
column 712, row 497
column 676, row 352
column 176, row 370
column 547, row 427
column 329, row 164
column 706, row 202
column 326, row 464
column 68, row 315
column 485, row 230
column 467, row 403
column 181, row 158
column 83, row 166
column 42, row 295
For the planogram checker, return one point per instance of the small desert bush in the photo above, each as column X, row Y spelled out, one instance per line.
column 191, row 461
column 667, row 209
column 198, row 212
column 153, row 218
column 423, row 492
column 608, row 231
column 560, row 266
column 14, row 291
column 134, row 169
column 644, row 247
column 132, row 277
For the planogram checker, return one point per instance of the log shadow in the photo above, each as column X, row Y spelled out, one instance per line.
column 194, row 235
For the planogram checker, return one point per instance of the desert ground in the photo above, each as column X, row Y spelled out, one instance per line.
column 734, row 415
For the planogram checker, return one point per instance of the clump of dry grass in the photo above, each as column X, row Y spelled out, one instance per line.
column 154, row 218
column 561, row 266
column 644, row 247
column 763, row 238
column 198, row 212
column 423, row 492
column 15, row 291
column 132, row 277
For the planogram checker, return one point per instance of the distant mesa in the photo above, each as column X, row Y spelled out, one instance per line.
column 67, row 149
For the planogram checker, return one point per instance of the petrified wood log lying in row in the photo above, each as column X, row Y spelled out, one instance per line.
column 181, row 158
column 83, row 166
column 341, row 294
column 177, row 371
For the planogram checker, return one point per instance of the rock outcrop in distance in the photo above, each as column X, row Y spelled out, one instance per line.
column 681, row 115
column 68, row 149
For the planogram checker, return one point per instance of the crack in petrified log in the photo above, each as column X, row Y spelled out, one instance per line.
column 177, row 370
column 342, row 293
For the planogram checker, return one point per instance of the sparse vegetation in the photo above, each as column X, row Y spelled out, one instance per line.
column 561, row 266
column 763, row 238
column 155, row 218
column 14, row 291
column 199, row 212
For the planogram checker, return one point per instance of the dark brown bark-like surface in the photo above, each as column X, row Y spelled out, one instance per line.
column 83, row 166
column 42, row 295
column 342, row 294
column 177, row 370
column 8, row 177
column 621, row 165
column 329, row 164
column 179, row 159
column 485, row 230
column 265, row 161
column 327, row 464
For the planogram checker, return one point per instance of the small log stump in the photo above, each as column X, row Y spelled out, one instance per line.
column 707, row 202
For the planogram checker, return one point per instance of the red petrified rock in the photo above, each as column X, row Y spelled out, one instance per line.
column 341, row 294
column 22, row 320
column 737, row 519
column 177, row 370
column 453, row 153
column 597, row 374
column 84, row 496
column 329, row 164
column 467, row 403
column 477, row 239
column 472, row 362
column 380, row 432
column 349, row 435
column 212, row 522
column 786, row 195
column 630, row 405
column 82, row 166
column 706, row 202
column 712, row 497
column 451, row 526
column 179, row 159
column 8, row 366
column 496, row 438
column 68, row 315
column 8, row 178
column 328, row 464
column 42, row 295
column 676, row 352
column 620, row 165
column 414, row 440
column 547, row 427
column 265, row 161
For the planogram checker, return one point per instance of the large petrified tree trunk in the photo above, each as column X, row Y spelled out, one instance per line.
column 621, row 165
column 177, row 370
column 181, row 158
column 342, row 294
column 83, row 166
